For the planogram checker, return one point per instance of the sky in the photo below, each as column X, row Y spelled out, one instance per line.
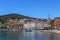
column 31, row 8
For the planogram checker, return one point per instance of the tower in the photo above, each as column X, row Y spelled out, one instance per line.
column 49, row 21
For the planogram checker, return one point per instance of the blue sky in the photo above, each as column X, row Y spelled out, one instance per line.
column 32, row 8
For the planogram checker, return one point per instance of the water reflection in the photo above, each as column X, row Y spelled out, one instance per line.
column 51, row 36
column 36, row 35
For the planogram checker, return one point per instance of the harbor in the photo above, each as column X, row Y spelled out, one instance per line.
column 34, row 35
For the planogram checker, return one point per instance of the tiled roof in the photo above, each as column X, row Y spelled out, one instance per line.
column 57, row 18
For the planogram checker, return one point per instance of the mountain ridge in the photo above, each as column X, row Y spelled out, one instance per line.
column 15, row 16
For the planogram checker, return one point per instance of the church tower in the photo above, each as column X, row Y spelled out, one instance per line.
column 49, row 21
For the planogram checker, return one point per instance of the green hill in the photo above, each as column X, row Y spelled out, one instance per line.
column 13, row 16
column 4, row 18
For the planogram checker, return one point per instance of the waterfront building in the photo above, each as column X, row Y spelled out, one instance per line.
column 1, row 24
column 38, row 24
column 29, row 24
column 57, row 23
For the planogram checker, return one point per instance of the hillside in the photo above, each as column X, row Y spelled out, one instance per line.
column 13, row 16
column 4, row 18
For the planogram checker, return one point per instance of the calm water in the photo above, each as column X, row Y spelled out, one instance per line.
column 37, row 35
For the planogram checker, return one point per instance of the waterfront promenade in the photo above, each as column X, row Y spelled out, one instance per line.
column 48, row 31
column 51, row 31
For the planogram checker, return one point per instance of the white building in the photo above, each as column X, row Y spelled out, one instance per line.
column 29, row 25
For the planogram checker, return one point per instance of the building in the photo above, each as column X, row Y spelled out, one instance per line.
column 1, row 24
column 29, row 24
column 38, row 24
column 14, row 23
column 57, row 23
